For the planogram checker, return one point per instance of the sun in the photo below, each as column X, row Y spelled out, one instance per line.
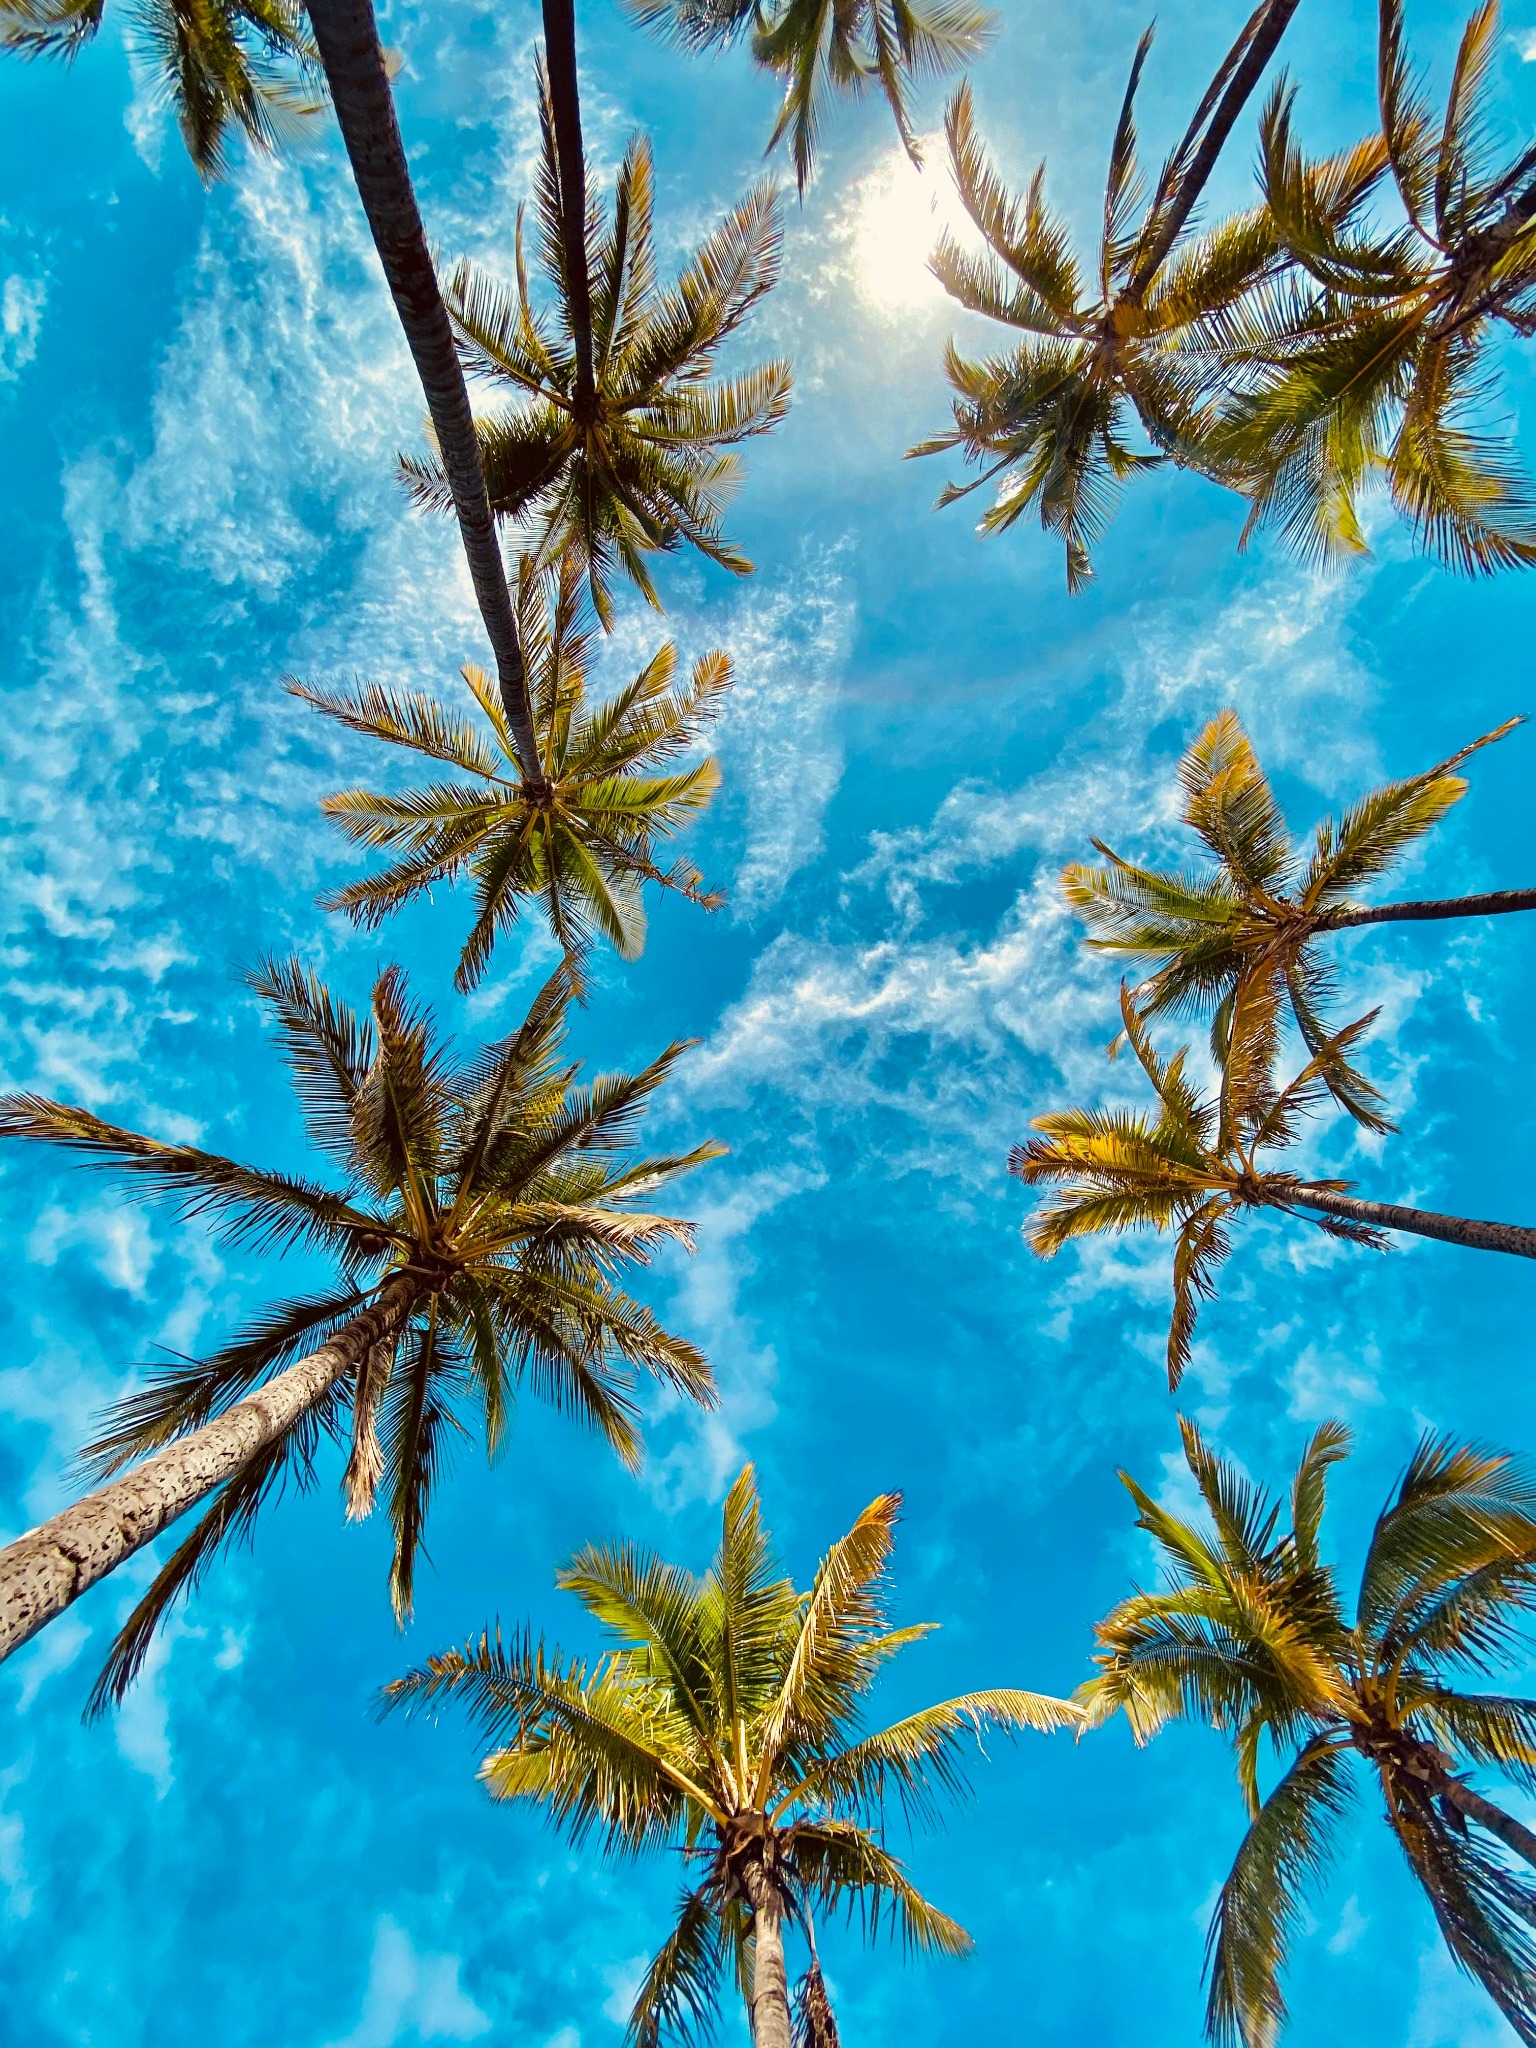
column 895, row 217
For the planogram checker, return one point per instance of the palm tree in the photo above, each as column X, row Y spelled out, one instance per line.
column 585, row 840
column 249, row 64
column 725, row 1722
column 815, row 48
column 1048, row 422
column 1196, row 1166
column 347, row 40
column 479, row 1213
column 618, row 443
column 1261, row 910
column 1374, row 358
column 1252, row 1635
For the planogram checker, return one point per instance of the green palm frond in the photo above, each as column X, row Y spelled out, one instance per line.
column 1376, row 366
column 586, row 841
column 678, row 1993
column 1285, row 1850
column 1254, row 915
column 815, row 49
column 646, row 467
column 724, row 1720
column 1049, row 425
column 1249, row 1635
column 1484, row 1912
column 507, row 1195
column 222, row 64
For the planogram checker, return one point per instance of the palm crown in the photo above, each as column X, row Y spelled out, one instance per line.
column 249, row 63
column 1049, row 421
column 815, row 48
column 503, row 1194
column 1261, row 908
column 1196, row 1164
column 582, row 842
column 618, row 442
column 1251, row 1634
column 727, row 1722
column 1371, row 359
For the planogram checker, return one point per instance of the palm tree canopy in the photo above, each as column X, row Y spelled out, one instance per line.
column 585, row 840
column 816, row 48
column 727, row 1721
column 1195, row 1165
column 1260, row 905
column 244, row 63
column 1372, row 359
column 1251, row 1634
column 507, row 1191
column 650, row 465
column 1139, row 338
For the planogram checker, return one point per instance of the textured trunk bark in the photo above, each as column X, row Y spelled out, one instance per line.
column 1265, row 40
column 1492, row 905
column 1493, row 1818
column 570, row 160
column 348, row 41
column 44, row 1571
column 1485, row 1237
column 770, row 1986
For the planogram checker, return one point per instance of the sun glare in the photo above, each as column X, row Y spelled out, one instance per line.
column 895, row 221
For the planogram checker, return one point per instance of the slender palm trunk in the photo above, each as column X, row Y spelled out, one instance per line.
column 1494, row 904
column 1486, row 1237
column 1475, row 1807
column 770, row 1986
column 348, row 41
column 570, row 160
column 46, row 1570
column 1257, row 44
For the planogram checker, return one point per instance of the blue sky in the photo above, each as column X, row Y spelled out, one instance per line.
column 200, row 399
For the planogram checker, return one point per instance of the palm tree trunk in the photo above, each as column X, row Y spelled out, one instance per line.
column 348, row 41
column 48, row 1569
column 1495, row 904
column 1493, row 1818
column 1261, row 36
column 770, row 1986
column 570, row 160
column 1516, row 1238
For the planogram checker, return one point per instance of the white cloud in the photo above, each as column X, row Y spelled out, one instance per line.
column 701, row 1465
column 117, row 1240
column 22, row 300
column 412, row 1994
column 778, row 734
column 55, row 1650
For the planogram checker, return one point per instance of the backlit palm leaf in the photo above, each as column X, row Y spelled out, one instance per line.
column 725, row 1720
column 1257, row 911
column 220, row 63
column 817, row 48
column 616, row 784
column 1249, row 1633
column 648, row 465
column 507, row 1194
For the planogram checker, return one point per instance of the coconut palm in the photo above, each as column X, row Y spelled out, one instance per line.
column 726, row 1722
column 1049, row 422
column 478, row 1213
column 1198, row 1164
column 1373, row 361
column 814, row 48
column 247, row 64
column 1264, row 904
column 1251, row 1634
column 584, row 841
column 617, row 443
